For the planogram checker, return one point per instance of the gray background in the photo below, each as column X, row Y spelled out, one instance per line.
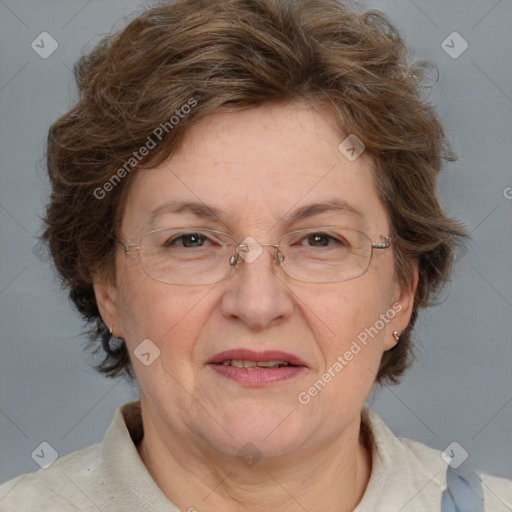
column 461, row 386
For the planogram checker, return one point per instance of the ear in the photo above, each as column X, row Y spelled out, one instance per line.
column 403, row 303
column 106, row 298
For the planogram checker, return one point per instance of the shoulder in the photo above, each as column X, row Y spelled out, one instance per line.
column 418, row 477
column 99, row 477
column 64, row 485
column 497, row 493
column 467, row 486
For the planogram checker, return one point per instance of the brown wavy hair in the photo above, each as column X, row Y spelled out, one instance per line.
column 227, row 55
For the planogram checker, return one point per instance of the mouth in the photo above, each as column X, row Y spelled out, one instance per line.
column 246, row 358
column 256, row 369
column 254, row 365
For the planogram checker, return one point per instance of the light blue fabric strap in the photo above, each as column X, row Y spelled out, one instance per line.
column 464, row 495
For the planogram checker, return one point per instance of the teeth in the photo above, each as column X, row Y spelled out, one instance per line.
column 272, row 364
column 255, row 364
column 243, row 364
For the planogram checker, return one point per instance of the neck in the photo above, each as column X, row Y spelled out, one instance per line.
column 331, row 478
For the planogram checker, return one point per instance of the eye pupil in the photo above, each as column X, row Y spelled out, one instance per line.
column 186, row 240
column 318, row 238
column 192, row 239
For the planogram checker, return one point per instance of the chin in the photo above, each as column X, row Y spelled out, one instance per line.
column 273, row 432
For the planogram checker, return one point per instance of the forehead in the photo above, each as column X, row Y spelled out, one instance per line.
column 255, row 168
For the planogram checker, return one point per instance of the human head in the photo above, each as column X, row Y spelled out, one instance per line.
column 224, row 57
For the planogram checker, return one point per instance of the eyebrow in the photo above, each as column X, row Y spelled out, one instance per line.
column 206, row 212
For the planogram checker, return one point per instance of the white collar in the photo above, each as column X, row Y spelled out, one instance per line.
column 407, row 476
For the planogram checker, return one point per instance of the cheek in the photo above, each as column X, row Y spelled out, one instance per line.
column 162, row 313
column 348, row 323
column 351, row 308
column 351, row 349
column 171, row 318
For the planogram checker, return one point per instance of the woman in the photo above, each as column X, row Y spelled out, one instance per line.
column 244, row 209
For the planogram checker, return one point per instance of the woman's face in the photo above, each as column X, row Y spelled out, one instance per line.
column 256, row 166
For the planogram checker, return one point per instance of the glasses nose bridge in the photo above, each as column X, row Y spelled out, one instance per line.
column 257, row 244
column 234, row 260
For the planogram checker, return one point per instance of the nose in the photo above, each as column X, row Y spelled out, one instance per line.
column 257, row 294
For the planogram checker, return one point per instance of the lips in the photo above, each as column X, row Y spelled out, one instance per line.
column 249, row 368
column 247, row 355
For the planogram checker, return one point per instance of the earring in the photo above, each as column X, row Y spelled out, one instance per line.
column 113, row 345
column 396, row 336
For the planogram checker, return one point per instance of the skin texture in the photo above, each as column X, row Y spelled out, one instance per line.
column 256, row 165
